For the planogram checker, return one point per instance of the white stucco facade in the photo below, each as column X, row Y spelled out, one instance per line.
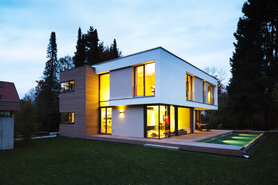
column 170, row 80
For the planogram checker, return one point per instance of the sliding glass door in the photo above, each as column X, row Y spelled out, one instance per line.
column 158, row 121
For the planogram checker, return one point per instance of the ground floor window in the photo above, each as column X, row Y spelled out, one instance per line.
column 164, row 120
column 6, row 114
column 158, row 124
column 106, row 120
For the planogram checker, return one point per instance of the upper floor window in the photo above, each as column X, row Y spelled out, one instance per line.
column 189, row 87
column 210, row 94
column 67, row 117
column 104, row 89
column 68, row 86
column 145, row 80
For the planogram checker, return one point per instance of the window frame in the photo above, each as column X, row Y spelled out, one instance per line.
column 99, row 91
column 68, row 113
column 211, row 86
column 68, row 91
column 144, row 81
column 186, row 91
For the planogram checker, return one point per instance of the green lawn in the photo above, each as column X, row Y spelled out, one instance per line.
column 76, row 161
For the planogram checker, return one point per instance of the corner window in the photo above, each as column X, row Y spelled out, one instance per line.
column 210, row 94
column 145, row 80
column 189, row 87
column 67, row 117
column 68, row 86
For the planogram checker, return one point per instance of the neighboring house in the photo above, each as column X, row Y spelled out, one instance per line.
column 9, row 102
column 152, row 94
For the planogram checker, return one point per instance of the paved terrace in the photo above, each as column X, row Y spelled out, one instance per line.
column 185, row 142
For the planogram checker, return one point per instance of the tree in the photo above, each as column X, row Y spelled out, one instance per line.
column 65, row 63
column 91, row 46
column 114, row 51
column 80, row 54
column 220, row 117
column 26, row 119
column 254, row 67
column 48, row 90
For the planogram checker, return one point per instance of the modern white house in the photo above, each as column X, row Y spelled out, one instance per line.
column 151, row 94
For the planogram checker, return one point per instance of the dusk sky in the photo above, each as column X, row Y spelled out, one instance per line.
column 200, row 32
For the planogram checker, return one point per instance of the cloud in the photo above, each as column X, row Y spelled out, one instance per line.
column 201, row 32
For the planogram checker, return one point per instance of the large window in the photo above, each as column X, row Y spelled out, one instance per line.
column 184, row 120
column 104, row 95
column 68, row 86
column 210, row 94
column 158, row 122
column 145, row 80
column 67, row 117
column 189, row 87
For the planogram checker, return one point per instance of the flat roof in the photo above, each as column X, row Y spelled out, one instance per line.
column 112, row 60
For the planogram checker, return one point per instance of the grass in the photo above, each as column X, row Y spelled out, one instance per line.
column 76, row 161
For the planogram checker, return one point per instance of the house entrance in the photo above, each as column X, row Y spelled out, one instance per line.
column 106, row 120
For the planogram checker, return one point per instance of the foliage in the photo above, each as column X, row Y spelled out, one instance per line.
column 48, row 90
column 219, row 118
column 90, row 51
column 25, row 118
column 254, row 67
column 91, row 46
column 80, row 54
column 65, row 63
column 76, row 161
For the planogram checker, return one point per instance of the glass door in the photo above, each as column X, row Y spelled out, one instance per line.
column 106, row 120
column 158, row 122
column 164, row 121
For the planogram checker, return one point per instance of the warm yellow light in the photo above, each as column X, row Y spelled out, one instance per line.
column 122, row 111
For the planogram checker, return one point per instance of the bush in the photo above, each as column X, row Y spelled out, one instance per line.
column 25, row 119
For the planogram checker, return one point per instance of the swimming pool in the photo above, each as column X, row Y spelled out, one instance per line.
column 233, row 138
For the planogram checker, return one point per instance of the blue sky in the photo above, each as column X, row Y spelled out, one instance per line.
column 200, row 32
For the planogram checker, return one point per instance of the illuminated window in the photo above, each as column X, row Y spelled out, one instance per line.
column 145, row 80
column 104, row 94
column 184, row 120
column 68, row 86
column 139, row 81
column 158, row 123
column 106, row 120
column 67, row 117
column 210, row 94
column 189, row 87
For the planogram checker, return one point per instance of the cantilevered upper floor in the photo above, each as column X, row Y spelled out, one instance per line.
column 155, row 76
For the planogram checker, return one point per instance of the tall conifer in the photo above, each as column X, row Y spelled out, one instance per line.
column 255, row 66
column 80, row 54
column 48, row 90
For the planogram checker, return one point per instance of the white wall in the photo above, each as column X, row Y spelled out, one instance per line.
column 6, row 133
column 170, row 79
column 130, row 123
column 121, row 83
column 173, row 81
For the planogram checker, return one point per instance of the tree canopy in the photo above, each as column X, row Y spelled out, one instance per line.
column 255, row 66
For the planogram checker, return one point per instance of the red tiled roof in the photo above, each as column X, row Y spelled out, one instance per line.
column 8, row 91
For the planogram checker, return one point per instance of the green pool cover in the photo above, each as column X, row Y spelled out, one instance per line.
column 239, row 139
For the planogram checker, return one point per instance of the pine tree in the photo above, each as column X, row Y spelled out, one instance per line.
column 48, row 89
column 80, row 54
column 91, row 46
column 255, row 66
column 114, row 51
